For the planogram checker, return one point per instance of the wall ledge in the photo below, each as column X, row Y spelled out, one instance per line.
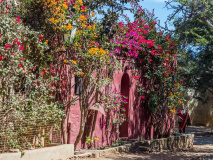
column 61, row 152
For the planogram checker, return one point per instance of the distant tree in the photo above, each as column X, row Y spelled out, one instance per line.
column 194, row 26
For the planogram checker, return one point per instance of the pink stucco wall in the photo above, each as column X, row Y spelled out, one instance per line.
column 139, row 119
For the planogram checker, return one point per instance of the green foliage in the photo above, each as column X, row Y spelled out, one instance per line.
column 195, row 29
column 26, row 98
column 90, row 141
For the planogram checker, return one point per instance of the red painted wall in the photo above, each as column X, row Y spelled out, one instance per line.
column 139, row 119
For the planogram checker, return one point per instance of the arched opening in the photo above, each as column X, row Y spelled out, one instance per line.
column 125, row 85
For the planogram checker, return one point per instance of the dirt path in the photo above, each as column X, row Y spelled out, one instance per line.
column 203, row 149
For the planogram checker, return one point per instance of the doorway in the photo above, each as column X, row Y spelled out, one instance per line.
column 125, row 85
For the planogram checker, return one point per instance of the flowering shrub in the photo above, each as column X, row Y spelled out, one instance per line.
column 53, row 11
column 155, row 54
column 87, row 59
column 94, row 61
column 25, row 84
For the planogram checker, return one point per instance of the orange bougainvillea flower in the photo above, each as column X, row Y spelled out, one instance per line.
column 74, row 62
column 82, row 17
column 172, row 111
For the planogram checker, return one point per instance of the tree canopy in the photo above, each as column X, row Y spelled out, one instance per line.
column 194, row 26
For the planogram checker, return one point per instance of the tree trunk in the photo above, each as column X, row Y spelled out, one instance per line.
column 90, row 126
column 82, row 126
column 163, row 122
column 93, row 127
column 171, row 118
column 108, row 127
column 64, row 134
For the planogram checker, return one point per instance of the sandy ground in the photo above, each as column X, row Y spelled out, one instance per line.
column 203, row 149
column 204, row 152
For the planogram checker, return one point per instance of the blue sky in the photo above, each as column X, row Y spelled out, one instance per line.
column 159, row 9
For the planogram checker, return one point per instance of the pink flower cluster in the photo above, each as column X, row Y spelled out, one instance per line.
column 132, row 37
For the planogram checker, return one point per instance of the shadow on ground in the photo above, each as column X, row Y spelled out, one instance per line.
column 203, row 149
column 159, row 156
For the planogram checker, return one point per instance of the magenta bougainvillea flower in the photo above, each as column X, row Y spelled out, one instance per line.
column 18, row 19
column 136, row 77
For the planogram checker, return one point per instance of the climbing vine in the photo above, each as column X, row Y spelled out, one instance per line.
column 159, row 80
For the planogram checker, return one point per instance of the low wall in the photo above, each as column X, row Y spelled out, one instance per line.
column 177, row 142
column 171, row 143
column 62, row 152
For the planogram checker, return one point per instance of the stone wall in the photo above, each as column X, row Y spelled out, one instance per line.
column 201, row 112
column 177, row 142
column 172, row 143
